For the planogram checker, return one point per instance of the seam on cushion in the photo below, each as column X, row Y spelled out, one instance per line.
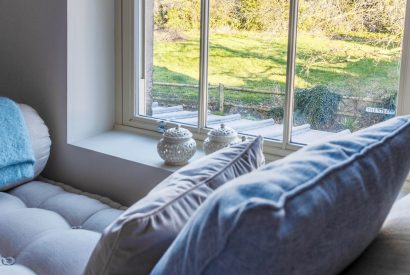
column 105, row 266
column 223, row 169
column 42, row 202
column 69, row 193
column 40, row 235
column 36, row 237
column 152, row 213
column 19, row 200
column 72, row 190
column 49, row 198
column 310, row 183
column 114, row 248
column 16, row 198
column 43, row 235
column 96, row 212
column 89, row 195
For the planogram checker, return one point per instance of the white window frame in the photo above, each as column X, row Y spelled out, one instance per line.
column 131, row 51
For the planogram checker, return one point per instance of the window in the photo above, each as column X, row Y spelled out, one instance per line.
column 292, row 71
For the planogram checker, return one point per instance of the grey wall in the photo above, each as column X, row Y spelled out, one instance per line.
column 33, row 70
column 90, row 68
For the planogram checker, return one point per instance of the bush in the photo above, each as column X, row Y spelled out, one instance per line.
column 329, row 17
column 350, row 123
column 277, row 113
column 177, row 14
column 319, row 106
column 376, row 16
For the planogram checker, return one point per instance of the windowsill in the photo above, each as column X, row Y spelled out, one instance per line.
column 139, row 148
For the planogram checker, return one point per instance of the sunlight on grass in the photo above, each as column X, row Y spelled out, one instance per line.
column 258, row 61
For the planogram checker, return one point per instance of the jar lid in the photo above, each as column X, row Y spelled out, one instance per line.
column 223, row 132
column 177, row 133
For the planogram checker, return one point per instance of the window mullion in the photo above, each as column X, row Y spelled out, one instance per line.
column 203, row 65
column 140, row 41
column 290, row 72
column 403, row 98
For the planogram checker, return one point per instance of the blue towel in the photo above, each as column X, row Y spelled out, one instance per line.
column 16, row 155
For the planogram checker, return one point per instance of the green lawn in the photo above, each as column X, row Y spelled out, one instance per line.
column 258, row 61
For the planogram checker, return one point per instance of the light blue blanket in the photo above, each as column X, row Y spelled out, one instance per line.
column 16, row 155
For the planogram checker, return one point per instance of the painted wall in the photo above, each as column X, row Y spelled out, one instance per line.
column 91, row 67
column 33, row 70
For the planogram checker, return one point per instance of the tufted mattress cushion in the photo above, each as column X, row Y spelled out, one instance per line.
column 49, row 228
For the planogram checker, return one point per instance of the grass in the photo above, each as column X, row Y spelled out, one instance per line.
column 359, row 67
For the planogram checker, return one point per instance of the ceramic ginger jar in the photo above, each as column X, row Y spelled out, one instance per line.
column 176, row 146
column 220, row 138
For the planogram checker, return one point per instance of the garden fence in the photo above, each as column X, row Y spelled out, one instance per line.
column 350, row 105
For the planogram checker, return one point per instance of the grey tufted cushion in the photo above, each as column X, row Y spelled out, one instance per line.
column 47, row 230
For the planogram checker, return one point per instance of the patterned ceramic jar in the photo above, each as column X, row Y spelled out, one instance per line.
column 177, row 146
column 220, row 138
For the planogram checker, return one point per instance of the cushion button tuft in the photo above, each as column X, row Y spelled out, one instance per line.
column 76, row 227
column 7, row 260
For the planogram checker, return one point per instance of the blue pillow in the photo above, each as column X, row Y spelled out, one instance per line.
column 312, row 212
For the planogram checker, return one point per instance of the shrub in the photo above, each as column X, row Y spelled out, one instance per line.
column 319, row 105
column 329, row 17
column 350, row 123
column 277, row 113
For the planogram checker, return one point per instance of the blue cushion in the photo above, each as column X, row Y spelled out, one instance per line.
column 312, row 212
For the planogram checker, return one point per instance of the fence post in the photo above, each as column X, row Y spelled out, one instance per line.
column 221, row 97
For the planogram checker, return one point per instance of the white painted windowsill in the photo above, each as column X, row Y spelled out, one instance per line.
column 130, row 146
column 135, row 146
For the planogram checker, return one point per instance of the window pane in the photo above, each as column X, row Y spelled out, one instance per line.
column 172, row 60
column 247, row 65
column 348, row 64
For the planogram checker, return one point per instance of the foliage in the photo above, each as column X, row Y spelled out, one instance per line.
column 350, row 123
column 177, row 14
column 380, row 16
column 224, row 18
column 277, row 113
column 324, row 16
column 319, row 104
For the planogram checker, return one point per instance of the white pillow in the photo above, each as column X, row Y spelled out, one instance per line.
column 39, row 136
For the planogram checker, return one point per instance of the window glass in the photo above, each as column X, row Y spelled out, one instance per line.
column 172, row 31
column 247, row 65
column 347, row 66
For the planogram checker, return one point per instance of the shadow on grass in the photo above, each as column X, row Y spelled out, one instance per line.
column 357, row 77
column 229, row 52
column 264, row 67
column 163, row 74
column 259, row 80
column 346, row 76
column 190, row 94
